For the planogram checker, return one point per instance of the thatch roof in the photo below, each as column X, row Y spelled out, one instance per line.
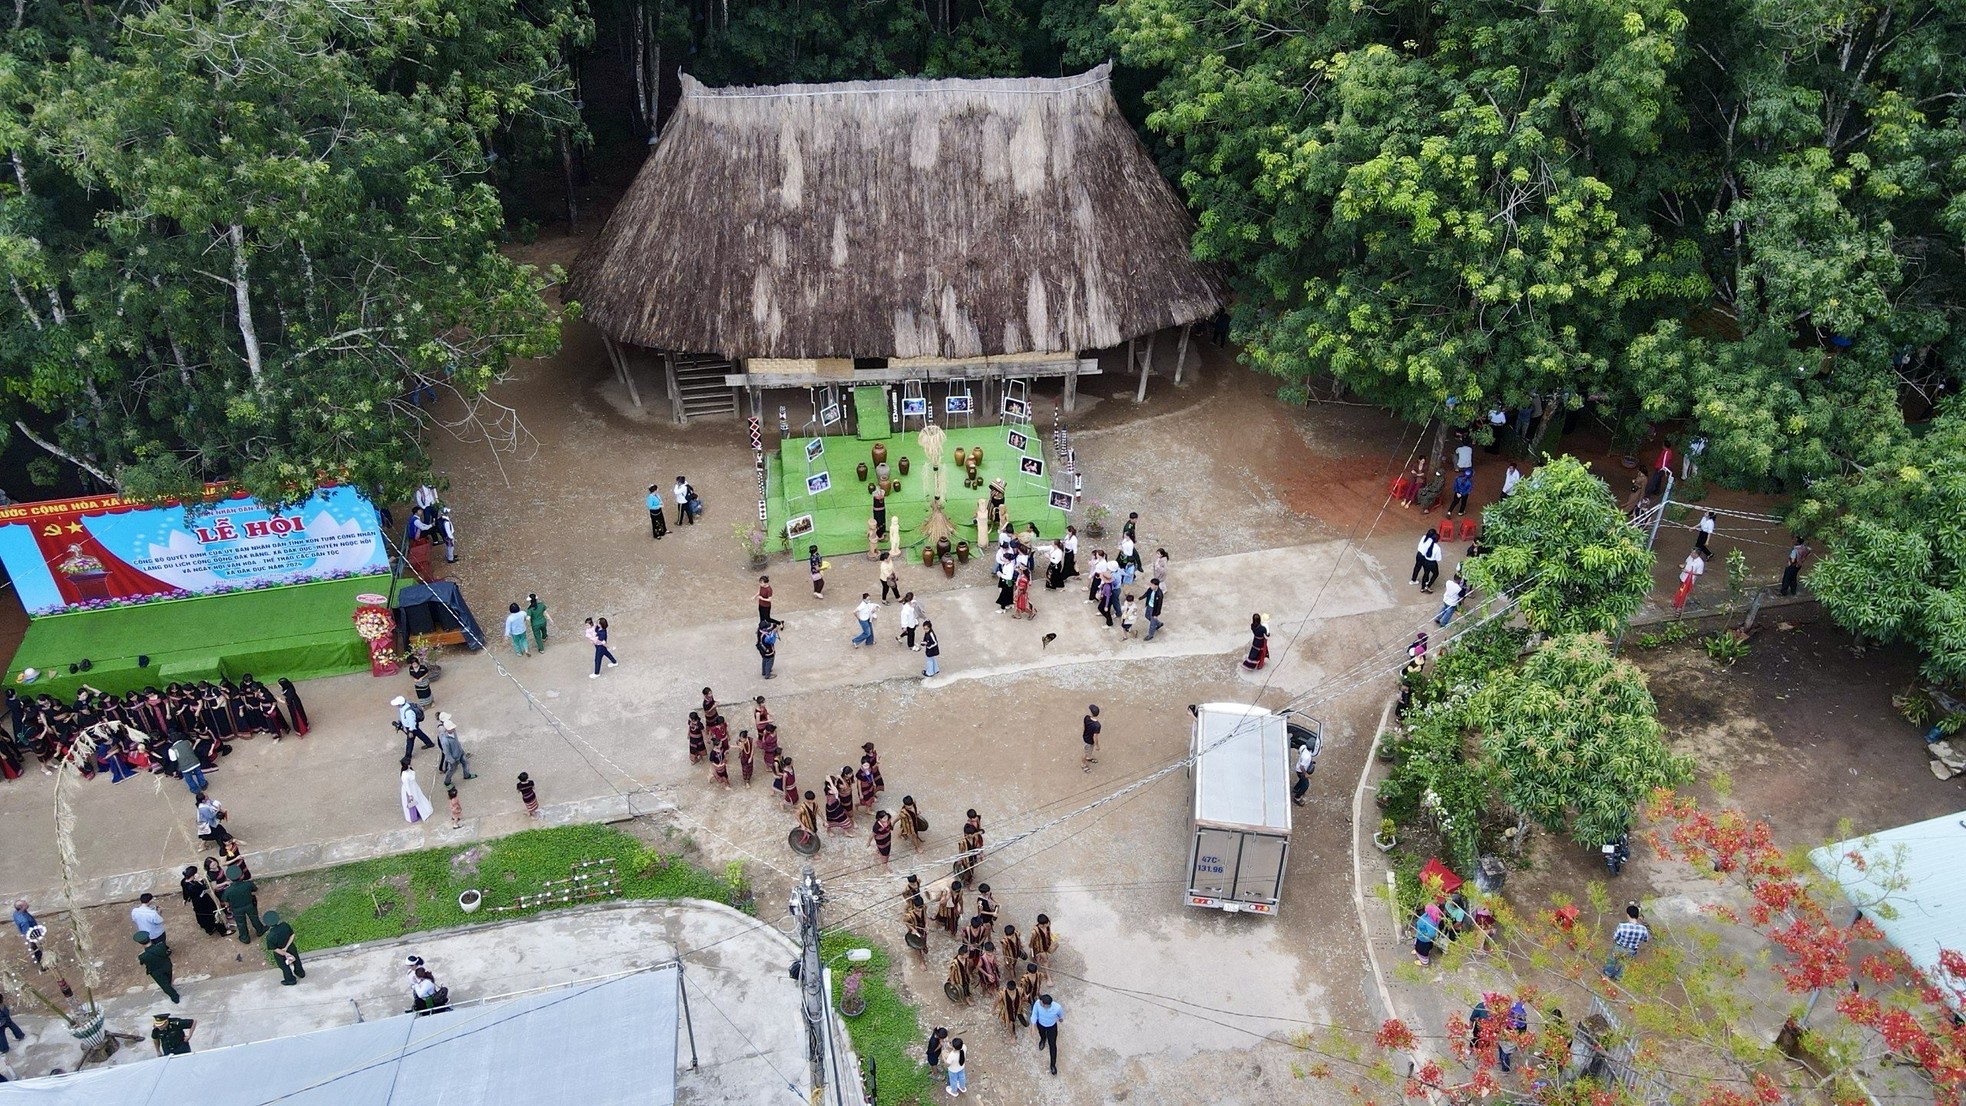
column 906, row 218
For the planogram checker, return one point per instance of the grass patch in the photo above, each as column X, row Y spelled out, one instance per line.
column 389, row 896
column 889, row 1033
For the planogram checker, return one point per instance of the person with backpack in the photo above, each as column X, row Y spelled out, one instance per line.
column 685, row 510
column 932, row 649
column 409, row 719
column 768, row 646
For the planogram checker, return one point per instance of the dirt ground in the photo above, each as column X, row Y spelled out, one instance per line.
column 1800, row 719
column 1166, row 1003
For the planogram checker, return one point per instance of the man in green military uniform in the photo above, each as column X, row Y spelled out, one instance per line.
column 171, row 1036
column 280, row 942
column 242, row 899
column 156, row 961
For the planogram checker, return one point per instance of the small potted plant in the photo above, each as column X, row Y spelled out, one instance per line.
column 853, row 1000
column 1386, row 838
column 751, row 539
column 470, row 901
column 1096, row 514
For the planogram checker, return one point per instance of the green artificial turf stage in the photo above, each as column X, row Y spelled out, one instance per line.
column 840, row 514
column 300, row 632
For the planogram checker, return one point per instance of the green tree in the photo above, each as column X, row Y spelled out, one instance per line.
column 1564, row 551
column 1894, row 563
column 251, row 233
column 1572, row 738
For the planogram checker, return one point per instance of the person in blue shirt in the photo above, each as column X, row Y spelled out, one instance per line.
column 1046, row 1013
column 23, row 918
column 657, row 523
column 1463, row 484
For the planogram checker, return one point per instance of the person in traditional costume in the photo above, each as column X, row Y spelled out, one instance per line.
column 719, row 767
column 768, row 741
column 864, row 784
column 198, row 894
column 949, row 908
column 788, row 782
column 695, row 737
column 1043, row 944
column 1007, row 1011
column 912, row 822
column 839, row 819
column 988, row 970
column 986, row 908
column 914, row 918
column 881, row 836
column 957, row 983
column 295, row 711
column 809, row 815
column 872, row 760
column 1259, row 644
column 744, row 755
column 1013, row 945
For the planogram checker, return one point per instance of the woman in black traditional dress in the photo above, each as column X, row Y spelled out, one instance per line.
column 295, row 710
column 872, row 760
column 1259, row 644
column 881, row 837
column 199, row 894
column 696, row 747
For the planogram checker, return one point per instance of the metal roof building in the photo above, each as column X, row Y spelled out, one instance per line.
column 1911, row 883
column 598, row 1044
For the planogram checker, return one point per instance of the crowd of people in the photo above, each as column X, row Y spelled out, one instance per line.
column 182, row 730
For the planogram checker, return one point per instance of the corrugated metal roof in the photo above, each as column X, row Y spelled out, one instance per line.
column 1911, row 882
column 609, row 1043
column 1242, row 776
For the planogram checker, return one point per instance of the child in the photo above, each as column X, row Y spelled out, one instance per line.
column 457, row 808
column 1129, row 611
column 719, row 767
column 528, row 795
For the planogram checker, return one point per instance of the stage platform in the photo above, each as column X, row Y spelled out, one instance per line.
column 840, row 513
column 300, row 631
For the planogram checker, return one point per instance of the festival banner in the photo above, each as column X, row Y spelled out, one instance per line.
column 106, row 551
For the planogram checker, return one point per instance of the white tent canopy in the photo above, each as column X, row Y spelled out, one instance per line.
column 596, row 1044
column 1911, row 883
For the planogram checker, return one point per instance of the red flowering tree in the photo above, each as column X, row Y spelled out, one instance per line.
column 1778, row 993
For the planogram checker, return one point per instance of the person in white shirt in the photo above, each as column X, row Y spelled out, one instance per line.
column 1054, row 573
column 682, row 493
column 148, row 921
column 1694, row 567
column 911, row 619
column 1706, row 532
column 1426, row 561
column 1456, row 589
column 1510, row 479
column 864, row 614
column 1071, row 551
column 1464, row 456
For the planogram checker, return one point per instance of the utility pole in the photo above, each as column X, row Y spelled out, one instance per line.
column 806, row 901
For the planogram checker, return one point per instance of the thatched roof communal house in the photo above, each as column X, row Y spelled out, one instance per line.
column 874, row 232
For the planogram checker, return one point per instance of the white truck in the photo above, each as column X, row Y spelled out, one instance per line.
column 1242, row 769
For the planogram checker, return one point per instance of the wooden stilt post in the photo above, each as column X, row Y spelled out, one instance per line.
column 1181, row 357
column 1071, row 391
column 1146, row 363
column 620, row 362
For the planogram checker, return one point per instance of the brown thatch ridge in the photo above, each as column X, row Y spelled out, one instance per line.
column 905, row 218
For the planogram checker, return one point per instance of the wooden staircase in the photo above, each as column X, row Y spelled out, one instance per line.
column 697, row 388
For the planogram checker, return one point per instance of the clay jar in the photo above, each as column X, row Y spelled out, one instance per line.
column 942, row 547
column 948, row 566
column 903, row 462
column 962, row 552
column 880, row 453
column 928, row 556
column 960, row 457
column 860, row 471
